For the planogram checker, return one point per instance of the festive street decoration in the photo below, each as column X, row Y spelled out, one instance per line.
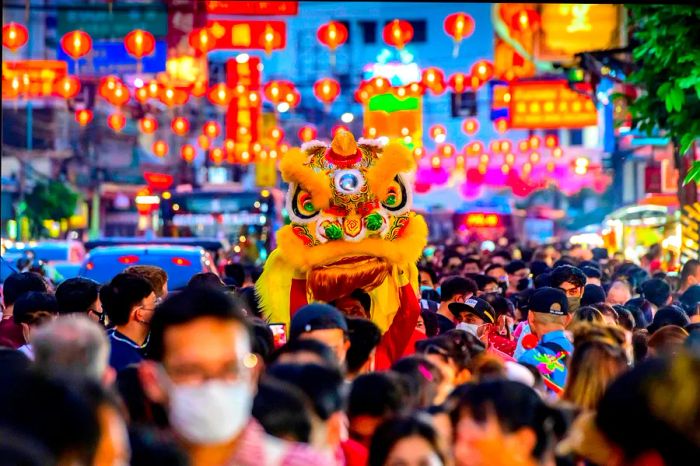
column 332, row 34
column 433, row 78
column 203, row 141
column 14, row 36
column 148, row 125
column 459, row 26
column 327, row 90
column 470, row 126
column 307, row 133
column 180, row 126
column 220, row 95
column 212, row 129
column 83, row 117
column 116, row 121
column 160, row 148
column 398, row 33
column 67, row 87
column 173, row 97
column 216, row 155
column 483, row 70
column 76, row 44
column 526, row 19
column 139, row 43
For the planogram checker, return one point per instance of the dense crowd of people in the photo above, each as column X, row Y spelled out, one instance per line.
column 518, row 356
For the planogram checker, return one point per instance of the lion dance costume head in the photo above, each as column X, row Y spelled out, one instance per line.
column 351, row 226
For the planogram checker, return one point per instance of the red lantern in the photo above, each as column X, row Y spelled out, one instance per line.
column 153, row 88
column 476, row 148
column 116, row 121
column 67, row 87
column 551, row 141
column 139, row 43
column 203, row 141
column 148, row 125
column 76, row 44
column 337, row 128
column 506, row 145
column 220, row 95
column 458, row 82
column 276, row 134
column 119, row 96
column 326, row 90
column 198, row 89
column 180, row 126
column 332, row 34
column 217, row 155
column 523, row 145
column 483, row 70
column 447, row 150
column 434, row 79
column 438, row 133
column 14, row 36
column 188, row 153
column 83, row 117
column 270, row 39
column 459, row 26
column 470, row 126
column 202, row 40
column 535, row 142
column 398, row 33
column 141, row 94
column 173, row 97
column 211, row 129
column 277, row 91
column 229, row 145
column 292, row 98
column 307, row 133
column 501, row 125
column 160, row 148
column 525, row 20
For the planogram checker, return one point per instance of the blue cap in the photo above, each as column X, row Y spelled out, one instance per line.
column 316, row 316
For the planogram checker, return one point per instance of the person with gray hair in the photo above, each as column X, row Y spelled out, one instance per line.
column 73, row 345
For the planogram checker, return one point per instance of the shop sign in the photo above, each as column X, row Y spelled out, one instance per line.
column 117, row 23
column 569, row 28
column 227, row 7
column 40, row 75
column 479, row 220
column 550, row 104
column 110, row 57
column 248, row 35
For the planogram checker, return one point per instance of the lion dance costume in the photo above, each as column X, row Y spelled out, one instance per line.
column 351, row 227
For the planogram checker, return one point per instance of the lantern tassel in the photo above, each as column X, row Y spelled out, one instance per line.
column 455, row 50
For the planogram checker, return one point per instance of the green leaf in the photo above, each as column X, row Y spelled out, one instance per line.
column 693, row 174
column 663, row 90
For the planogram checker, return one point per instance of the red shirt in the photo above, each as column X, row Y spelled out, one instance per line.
column 396, row 339
column 11, row 333
column 354, row 452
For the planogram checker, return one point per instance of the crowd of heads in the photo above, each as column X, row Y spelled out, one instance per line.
column 515, row 357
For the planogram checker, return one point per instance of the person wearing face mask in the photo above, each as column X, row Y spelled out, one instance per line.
column 474, row 315
column 455, row 289
column 129, row 302
column 571, row 280
column 201, row 368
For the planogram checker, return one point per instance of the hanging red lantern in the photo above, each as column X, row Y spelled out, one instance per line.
column 501, row 125
column 307, row 133
column 398, row 33
column 470, row 126
column 483, row 70
column 551, row 141
column 447, row 150
column 276, row 134
column 270, row 39
column 277, row 91
column 216, row 155
column 534, row 142
column 180, row 126
column 141, row 94
column 116, row 121
column 525, row 20
column 108, row 84
column 220, row 95
column 14, row 36
column 292, row 98
column 199, row 88
column 458, row 82
column 139, row 43
column 332, row 35
column 337, row 128
column 119, row 96
column 505, row 146
column 160, row 148
column 188, row 153
column 76, row 44
column 148, row 125
column 438, row 133
column 211, row 129
column 327, row 90
column 173, row 97
column 67, row 87
column 202, row 40
column 523, row 145
column 476, row 147
column 153, row 88
column 434, row 79
column 557, row 152
column 203, row 141
column 459, row 26
column 83, row 117
column 229, row 145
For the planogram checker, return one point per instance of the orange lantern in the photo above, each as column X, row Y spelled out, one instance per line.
column 67, row 87
column 229, row 145
column 76, row 44
column 172, row 97
column 293, row 98
column 199, row 88
column 470, row 126
column 139, row 43
column 398, row 33
column 525, row 20
column 14, row 36
column 327, row 90
column 447, row 150
column 180, row 126
column 476, row 147
column 495, row 147
column 534, row 142
column 307, row 133
column 116, row 121
column 551, row 141
column 202, row 40
column 153, row 88
column 434, row 79
column 418, row 153
column 483, row 70
column 108, row 85
column 438, row 133
column 270, row 38
column 83, row 117
column 501, row 125
column 211, row 129
column 203, row 141
column 459, row 26
column 435, row 162
column 220, row 95
column 523, row 145
column 119, row 96
column 276, row 134
column 332, row 34
column 141, row 94
column 216, row 155
column 557, row 152
column 458, row 82
column 188, row 153
column 148, row 125
column 160, row 148
column 506, row 145
column 277, row 91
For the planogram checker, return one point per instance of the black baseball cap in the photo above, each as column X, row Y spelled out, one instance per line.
column 592, row 294
column 476, row 306
column 548, row 300
column 316, row 316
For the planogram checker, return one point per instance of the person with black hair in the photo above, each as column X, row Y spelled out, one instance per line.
column 668, row 315
column 283, row 410
column 454, row 289
column 484, row 283
column 517, row 270
column 201, row 367
column 690, row 301
column 356, row 304
column 592, row 294
column 408, row 440
column 207, row 280
column 129, row 302
column 364, row 338
column 593, row 275
column 471, row 265
column 322, row 322
column 234, row 275
column 80, row 295
column 657, row 292
column 305, row 351
column 498, row 271
column 423, row 380
column 32, row 310
column 428, row 278
column 373, row 398
column 263, row 343
column 572, row 281
column 641, row 310
column 690, row 275
column 501, row 257
column 16, row 285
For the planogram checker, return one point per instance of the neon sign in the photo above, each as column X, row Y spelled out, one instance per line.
column 477, row 220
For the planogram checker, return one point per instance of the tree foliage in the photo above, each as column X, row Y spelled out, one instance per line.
column 50, row 200
column 667, row 52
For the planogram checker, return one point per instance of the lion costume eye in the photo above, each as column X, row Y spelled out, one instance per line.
column 396, row 198
column 348, row 181
column 302, row 206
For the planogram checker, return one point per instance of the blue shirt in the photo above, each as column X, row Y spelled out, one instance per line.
column 519, row 350
column 551, row 357
column 124, row 351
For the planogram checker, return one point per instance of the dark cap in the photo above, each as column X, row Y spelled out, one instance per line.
column 477, row 306
column 515, row 266
column 591, row 272
column 316, row 316
column 539, row 267
column 548, row 300
column 656, row 291
column 669, row 315
column 592, row 294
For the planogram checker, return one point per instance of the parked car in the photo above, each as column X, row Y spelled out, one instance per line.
column 50, row 251
column 179, row 262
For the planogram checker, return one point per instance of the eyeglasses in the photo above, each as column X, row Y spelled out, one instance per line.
column 194, row 375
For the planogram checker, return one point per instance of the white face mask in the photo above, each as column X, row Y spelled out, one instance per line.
column 469, row 328
column 211, row 412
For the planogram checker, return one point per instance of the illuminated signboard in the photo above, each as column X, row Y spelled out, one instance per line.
column 227, row 7
column 39, row 74
column 398, row 74
column 239, row 218
column 249, row 35
column 569, row 28
column 550, row 104
column 111, row 58
column 480, row 220
column 244, row 115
